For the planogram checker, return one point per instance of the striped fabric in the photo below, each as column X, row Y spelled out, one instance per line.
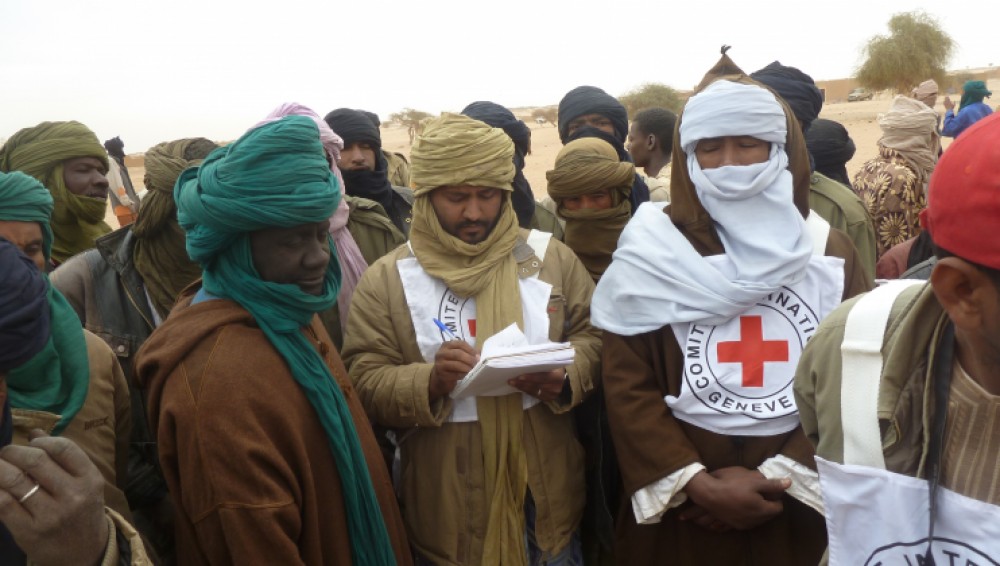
column 972, row 440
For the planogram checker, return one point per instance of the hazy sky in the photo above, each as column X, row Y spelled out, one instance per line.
column 154, row 71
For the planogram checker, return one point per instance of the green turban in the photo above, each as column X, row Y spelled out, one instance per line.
column 458, row 150
column 972, row 92
column 160, row 255
column 40, row 152
column 26, row 200
column 277, row 175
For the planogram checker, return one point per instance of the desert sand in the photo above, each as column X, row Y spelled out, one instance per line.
column 860, row 119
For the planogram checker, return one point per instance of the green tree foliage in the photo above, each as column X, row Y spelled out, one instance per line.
column 411, row 119
column 915, row 50
column 651, row 95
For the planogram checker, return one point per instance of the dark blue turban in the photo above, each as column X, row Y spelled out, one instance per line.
column 584, row 100
column 24, row 308
column 797, row 89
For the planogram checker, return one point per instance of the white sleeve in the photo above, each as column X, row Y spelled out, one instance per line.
column 651, row 502
column 805, row 482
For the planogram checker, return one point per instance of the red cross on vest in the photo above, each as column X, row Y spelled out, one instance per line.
column 751, row 351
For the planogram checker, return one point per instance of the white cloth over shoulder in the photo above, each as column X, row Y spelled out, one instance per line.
column 657, row 278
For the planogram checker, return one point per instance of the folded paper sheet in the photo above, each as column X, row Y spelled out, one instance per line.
column 507, row 355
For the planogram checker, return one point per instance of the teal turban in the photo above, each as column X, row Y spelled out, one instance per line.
column 972, row 92
column 25, row 199
column 277, row 176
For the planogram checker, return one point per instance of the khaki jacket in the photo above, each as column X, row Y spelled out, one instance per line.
column 444, row 500
column 905, row 400
column 845, row 211
column 101, row 427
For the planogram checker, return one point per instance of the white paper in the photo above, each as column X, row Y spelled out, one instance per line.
column 506, row 355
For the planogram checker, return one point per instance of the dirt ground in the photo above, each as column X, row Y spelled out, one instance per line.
column 860, row 119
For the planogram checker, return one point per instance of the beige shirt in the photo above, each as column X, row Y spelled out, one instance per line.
column 659, row 186
column 972, row 442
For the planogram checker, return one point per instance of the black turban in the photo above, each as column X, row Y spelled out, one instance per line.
column 24, row 308
column 115, row 147
column 831, row 147
column 497, row 116
column 354, row 126
column 373, row 117
column 797, row 89
column 584, row 100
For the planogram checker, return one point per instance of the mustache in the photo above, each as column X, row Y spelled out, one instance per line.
column 473, row 224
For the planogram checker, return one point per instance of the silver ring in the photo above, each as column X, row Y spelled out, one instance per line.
column 31, row 492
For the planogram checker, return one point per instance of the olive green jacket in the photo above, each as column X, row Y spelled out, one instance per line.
column 838, row 205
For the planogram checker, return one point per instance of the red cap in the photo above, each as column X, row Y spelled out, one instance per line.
column 963, row 199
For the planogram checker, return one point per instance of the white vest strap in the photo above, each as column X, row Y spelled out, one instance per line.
column 861, row 359
column 539, row 242
column 819, row 231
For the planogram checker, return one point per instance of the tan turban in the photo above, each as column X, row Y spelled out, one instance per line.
column 909, row 127
column 927, row 92
column 584, row 166
column 457, row 150
column 587, row 165
column 160, row 255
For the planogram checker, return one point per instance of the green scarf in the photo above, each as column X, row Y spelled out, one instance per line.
column 26, row 200
column 277, row 176
column 40, row 152
column 56, row 380
column 160, row 256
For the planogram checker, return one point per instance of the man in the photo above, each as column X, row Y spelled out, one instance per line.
column 971, row 109
column 893, row 184
column 51, row 494
column 512, row 491
column 590, row 188
column 705, row 310
column 831, row 147
column 650, row 141
column 926, row 92
column 122, row 193
column 587, row 111
column 828, row 198
column 122, row 290
column 300, row 479
column 69, row 160
column 364, row 167
column 74, row 387
column 530, row 214
column 925, row 405
column 397, row 166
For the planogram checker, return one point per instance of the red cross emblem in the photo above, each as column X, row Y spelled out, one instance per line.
column 751, row 351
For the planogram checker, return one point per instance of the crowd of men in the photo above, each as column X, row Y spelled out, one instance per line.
column 773, row 363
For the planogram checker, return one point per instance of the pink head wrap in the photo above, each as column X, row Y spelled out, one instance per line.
column 352, row 263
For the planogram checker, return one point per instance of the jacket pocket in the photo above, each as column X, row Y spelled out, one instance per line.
column 556, row 309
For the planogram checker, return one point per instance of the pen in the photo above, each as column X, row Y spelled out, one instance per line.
column 447, row 331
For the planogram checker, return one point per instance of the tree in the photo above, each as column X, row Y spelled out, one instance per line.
column 915, row 50
column 548, row 114
column 651, row 95
column 411, row 119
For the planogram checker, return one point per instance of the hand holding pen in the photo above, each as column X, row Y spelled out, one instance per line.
column 454, row 359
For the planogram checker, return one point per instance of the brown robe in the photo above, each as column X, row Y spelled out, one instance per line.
column 638, row 371
column 247, row 461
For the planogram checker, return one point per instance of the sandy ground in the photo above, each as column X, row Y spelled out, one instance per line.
column 860, row 119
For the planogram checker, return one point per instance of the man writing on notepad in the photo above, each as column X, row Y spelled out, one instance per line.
column 484, row 480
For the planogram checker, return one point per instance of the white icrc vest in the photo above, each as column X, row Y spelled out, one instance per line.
column 738, row 375
column 875, row 516
column 429, row 298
